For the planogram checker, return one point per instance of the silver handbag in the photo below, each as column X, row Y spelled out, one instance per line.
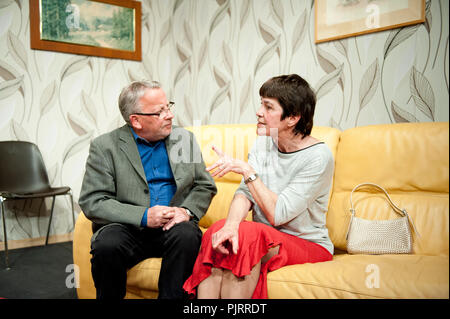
column 376, row 237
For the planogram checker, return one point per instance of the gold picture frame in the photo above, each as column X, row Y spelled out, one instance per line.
column 337, row 19
column 104, row 28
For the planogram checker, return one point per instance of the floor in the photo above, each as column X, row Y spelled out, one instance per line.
column 42, row 272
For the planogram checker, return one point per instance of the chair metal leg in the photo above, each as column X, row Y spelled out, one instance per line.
column 2, row 211
column 50, row 220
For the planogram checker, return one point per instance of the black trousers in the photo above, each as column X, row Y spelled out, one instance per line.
column 115, row 248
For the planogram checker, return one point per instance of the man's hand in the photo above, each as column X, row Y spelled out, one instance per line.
column 158, row 216
column 179, row 215
column 166, row 217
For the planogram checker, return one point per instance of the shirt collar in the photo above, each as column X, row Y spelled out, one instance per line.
column 139, row 139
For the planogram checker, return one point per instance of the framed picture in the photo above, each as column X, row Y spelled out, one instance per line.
column 336, row 19
column 105, row 28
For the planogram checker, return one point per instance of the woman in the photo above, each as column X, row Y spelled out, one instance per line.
column 286, row 183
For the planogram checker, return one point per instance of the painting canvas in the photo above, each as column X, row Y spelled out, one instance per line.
column 109, row 28
column 336, row 19
column 89, row 23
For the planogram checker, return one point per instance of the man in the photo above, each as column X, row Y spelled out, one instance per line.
column 145, row 189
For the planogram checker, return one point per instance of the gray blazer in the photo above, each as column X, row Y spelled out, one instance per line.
column 115, row 188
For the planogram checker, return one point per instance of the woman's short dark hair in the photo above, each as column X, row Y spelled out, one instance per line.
column 295, row 97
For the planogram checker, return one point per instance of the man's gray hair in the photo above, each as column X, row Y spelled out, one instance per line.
column 130, row 95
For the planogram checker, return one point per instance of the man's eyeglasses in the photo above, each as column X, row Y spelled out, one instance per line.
column 162, row 113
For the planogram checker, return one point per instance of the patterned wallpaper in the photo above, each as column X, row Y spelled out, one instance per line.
column 211, row 56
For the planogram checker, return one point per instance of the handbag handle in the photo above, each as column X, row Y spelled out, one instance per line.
column 399, row 211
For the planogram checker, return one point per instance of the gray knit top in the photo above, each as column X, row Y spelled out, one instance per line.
column 302, row 180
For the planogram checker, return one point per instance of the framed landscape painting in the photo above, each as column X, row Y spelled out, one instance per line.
column 106, row 28
column 337, row 19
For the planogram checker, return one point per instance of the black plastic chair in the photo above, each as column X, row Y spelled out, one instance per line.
column 23, row 176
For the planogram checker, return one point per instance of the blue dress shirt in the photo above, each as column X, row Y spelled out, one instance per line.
column 158, row 172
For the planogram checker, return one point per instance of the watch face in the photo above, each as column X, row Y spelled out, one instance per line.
column 251, row 178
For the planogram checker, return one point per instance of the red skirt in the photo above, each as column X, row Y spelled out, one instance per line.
column 255, row 239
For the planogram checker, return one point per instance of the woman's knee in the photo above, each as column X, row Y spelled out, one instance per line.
column 271, row 252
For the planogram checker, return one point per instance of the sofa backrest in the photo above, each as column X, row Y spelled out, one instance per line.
column 409, row 160
column 236, row 140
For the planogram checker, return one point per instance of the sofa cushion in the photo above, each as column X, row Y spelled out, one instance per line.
column 363, row 276
column 220, row 204
column 234, row 139
column 411, row 162
column 144, row 276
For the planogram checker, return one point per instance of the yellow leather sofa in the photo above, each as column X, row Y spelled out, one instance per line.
column 411, row 161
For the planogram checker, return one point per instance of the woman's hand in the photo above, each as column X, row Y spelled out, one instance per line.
column 226, row 164
column 226, row 240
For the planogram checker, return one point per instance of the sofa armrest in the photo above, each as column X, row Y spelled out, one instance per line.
column 82, row 257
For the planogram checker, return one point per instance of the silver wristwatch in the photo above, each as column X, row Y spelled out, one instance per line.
column 251, row 178
column 189, row 212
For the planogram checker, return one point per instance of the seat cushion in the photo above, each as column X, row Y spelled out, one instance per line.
column 346, row 276
column 144, row 276
column 363, row 276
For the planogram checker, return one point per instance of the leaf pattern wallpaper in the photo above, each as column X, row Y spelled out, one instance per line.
column 211, row 57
